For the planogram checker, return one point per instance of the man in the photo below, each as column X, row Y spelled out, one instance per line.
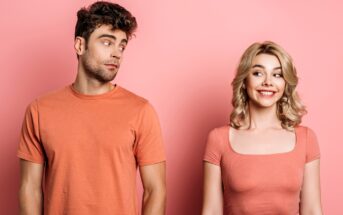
column 80, row 146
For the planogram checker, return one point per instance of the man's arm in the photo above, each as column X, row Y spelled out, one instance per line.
column 30, row 192
column 310, row 203
column 154, row 184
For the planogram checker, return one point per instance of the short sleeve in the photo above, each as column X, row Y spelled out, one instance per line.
column 213, row 150
column 149, row 148
column 312, row 147
column 30, row 146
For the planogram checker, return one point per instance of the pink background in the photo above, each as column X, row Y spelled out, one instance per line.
column 183, row 60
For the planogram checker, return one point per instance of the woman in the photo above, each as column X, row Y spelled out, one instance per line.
column 264, row 162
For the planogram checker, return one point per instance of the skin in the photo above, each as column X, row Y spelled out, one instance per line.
column 30, row 191
column 99, row 62
column 213, row 191
column 259, row 135
column 154, row 184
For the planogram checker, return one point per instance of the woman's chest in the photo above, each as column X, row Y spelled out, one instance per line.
column 283, row 172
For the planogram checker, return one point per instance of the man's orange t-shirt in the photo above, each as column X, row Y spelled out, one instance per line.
column 91, row 146
column 261, row 184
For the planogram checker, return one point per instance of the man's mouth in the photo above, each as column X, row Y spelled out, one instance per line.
column 111, row 65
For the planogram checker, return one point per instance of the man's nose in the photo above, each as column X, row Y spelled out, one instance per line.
column 116, row 53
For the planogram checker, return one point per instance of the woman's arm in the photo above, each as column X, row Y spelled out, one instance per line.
column 213, row 191
column 310, row 203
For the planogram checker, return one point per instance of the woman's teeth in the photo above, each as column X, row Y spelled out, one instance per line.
column 266, row 93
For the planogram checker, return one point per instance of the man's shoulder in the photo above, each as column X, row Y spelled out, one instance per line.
column 53, row 95
column 48, row 99
column 132, row 97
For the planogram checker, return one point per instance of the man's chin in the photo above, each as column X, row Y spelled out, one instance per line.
column 106, row 79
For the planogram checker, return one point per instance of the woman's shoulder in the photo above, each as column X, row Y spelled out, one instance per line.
column 216, row 140
column 305, row 130
column 218, row 136
column 220, row 131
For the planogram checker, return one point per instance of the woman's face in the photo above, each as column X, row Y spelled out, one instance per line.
column 265, row 84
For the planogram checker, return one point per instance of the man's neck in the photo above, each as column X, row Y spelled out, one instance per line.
column 91, row 86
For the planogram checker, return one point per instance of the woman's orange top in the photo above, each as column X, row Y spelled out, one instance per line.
column 261, row 184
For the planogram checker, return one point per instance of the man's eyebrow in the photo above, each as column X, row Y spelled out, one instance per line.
column 112, row 37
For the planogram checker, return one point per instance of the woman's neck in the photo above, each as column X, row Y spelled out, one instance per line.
column 261, row 118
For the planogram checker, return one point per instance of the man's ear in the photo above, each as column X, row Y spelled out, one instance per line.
column 79, row 45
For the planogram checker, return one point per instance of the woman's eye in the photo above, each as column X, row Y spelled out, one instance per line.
column 257, row 73
column 278, row 75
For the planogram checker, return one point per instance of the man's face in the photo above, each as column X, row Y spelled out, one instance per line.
column 103, row 53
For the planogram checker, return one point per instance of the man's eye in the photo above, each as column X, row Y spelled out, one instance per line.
column 107, row 43
column 122, row 48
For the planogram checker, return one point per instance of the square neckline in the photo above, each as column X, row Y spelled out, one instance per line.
column 261, row 155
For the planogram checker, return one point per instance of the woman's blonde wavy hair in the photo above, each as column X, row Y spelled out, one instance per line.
column 289, row 108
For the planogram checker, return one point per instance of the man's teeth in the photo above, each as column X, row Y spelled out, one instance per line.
column 266, row 93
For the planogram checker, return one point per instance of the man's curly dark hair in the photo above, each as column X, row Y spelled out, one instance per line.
column 104, row 13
